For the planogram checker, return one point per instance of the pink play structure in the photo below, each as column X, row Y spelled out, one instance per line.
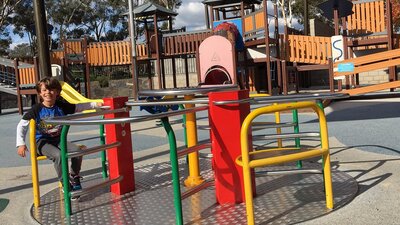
column 217, row 59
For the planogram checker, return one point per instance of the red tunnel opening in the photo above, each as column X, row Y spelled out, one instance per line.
column 217, row 75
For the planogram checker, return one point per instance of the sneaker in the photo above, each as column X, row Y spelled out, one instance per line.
column 70, row 188
column 75, row 181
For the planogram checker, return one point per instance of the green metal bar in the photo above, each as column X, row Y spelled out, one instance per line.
column 296, row 129
column 184, row 134
column 321, row 106
column 65, row 172
column 175, row 170
column 103, row 153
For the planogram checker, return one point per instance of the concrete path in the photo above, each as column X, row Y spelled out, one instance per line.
column 363, row 139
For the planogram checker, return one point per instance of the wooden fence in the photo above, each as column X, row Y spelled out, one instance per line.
column 309, row 49
column 183, row 43
column 27, row 75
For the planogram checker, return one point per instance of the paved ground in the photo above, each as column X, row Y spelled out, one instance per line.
column 363, row 138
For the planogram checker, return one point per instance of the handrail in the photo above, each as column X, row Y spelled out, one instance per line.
column 371, row 62
column 95, row 187
column 174, row 101
column 285, row 98
column 90, row 114
column 93, row 149
column 62, row 121
column 195, row 148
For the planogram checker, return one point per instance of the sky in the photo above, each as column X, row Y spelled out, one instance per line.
column 190, row 14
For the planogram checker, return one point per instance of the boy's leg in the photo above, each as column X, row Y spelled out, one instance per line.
column 76, row 162
column 53, row 153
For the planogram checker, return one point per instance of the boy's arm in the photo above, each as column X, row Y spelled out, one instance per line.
column 22, row 129
column 85, row 106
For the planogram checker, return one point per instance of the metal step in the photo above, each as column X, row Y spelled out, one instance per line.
column 285, row 136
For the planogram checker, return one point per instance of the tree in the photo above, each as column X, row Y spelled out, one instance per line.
column 21, row 51
column 396, row 14
column 6, row 11
column 295, row 9
column 66, row 15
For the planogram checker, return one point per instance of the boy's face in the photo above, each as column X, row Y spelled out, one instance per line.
column 48, row 96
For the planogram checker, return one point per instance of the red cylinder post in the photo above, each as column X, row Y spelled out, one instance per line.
column 225, row 122
column 120, row 159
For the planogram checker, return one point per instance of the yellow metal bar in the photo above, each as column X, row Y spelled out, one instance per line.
column 325, row 157
column 194, row 177
column 34, row 164
column 247, row 164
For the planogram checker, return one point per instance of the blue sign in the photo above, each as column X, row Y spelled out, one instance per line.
column 345, row 67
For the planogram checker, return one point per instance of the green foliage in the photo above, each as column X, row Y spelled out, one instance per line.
column 21, row 51
column 103, row 81
column 313, row 10
column 120, row 74
column 4, row 45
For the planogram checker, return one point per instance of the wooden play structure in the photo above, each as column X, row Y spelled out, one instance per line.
column 265, row 59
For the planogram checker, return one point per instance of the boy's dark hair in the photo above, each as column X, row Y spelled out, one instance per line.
column 49, row 83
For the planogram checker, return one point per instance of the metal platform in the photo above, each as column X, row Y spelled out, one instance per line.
column 281, row 199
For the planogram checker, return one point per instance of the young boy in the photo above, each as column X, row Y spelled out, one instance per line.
column 47, row 135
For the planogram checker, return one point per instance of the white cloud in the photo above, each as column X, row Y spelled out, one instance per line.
column 191, row 14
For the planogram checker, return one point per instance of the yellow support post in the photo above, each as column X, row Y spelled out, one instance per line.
column 194, row 177
column 34, row 164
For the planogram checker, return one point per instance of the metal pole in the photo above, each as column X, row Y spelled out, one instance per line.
column 42, row 38
column 132, row 34
column 306, row 22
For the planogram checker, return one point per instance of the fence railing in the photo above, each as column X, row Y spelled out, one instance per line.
column 183, row 43
column 309, row 49
column 27, row 75
column 254, row 25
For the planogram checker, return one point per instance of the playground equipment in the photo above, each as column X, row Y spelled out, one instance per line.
column 250, row 159
column 230, row 103
column 73, row 96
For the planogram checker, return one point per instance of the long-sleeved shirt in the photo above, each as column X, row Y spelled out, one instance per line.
column 39, row 113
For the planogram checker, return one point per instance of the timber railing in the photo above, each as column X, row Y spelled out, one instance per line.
column 254, row 25
column 183, row 43
column 370, row 62
column 119, row 52
column 368, row 18
column 308, row 49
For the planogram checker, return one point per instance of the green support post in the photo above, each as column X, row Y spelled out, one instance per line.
column 65, row 172
column 103, row 153
column 181, row 107
column 296, row 128
column 175, row 170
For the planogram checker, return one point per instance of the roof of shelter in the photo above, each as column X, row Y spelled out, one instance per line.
column 223, row 2
column 150, row 9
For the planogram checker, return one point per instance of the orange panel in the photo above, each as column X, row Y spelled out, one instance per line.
column 382, row 16
column 373, row 18
column 260, row 20
column 363, row 19
column 367, row 17
column 358, row 15
column 248, row 24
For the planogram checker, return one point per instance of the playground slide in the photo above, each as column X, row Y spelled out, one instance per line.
column 74, row 97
